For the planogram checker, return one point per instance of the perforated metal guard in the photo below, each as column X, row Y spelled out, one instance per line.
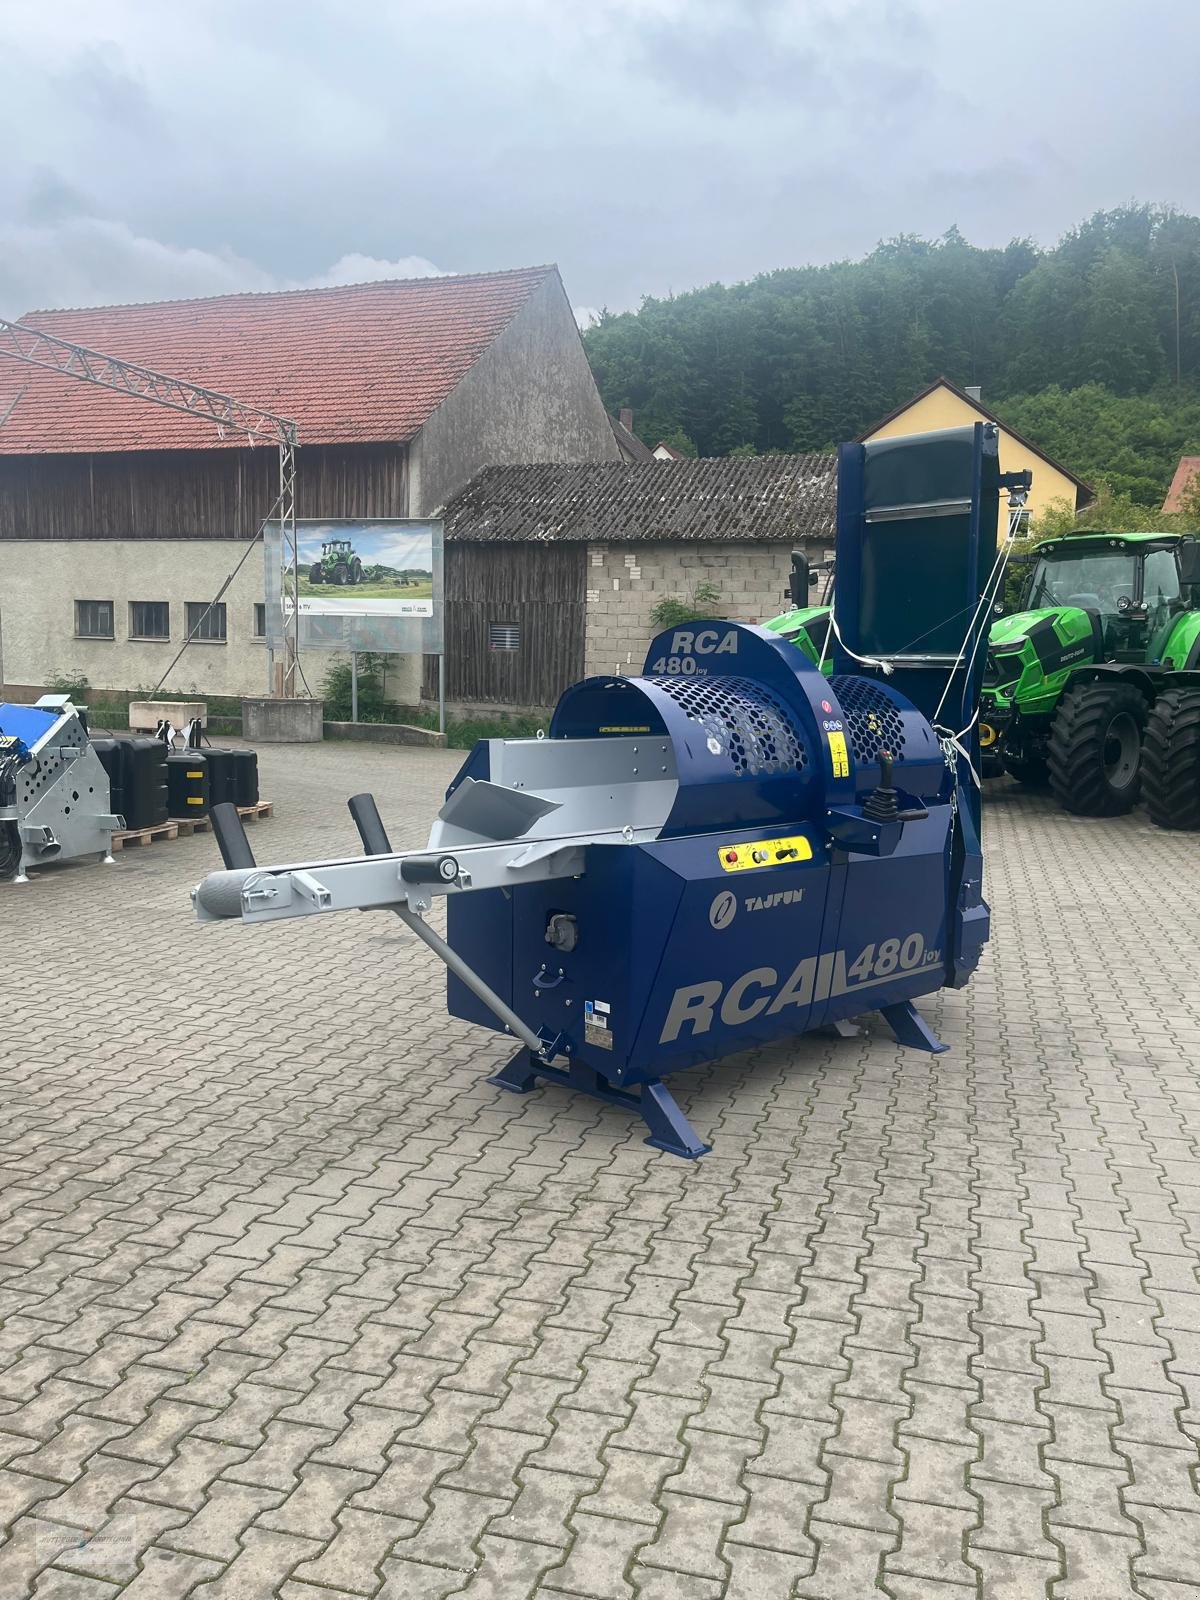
column 872, row 721
column 753, row 729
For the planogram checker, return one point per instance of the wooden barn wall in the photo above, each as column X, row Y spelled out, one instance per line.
column 200, row 494
column 541, row 589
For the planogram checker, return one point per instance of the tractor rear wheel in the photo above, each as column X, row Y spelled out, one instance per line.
column 1171, row 760
column 341, row 573
column 356, row 571
column 1095, row 749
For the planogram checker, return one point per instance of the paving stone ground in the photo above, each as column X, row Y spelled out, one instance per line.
column 294, row 1304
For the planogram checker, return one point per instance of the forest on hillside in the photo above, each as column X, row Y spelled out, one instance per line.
column 1091, row 348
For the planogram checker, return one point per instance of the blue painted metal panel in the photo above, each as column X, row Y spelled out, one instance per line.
column 27, row 723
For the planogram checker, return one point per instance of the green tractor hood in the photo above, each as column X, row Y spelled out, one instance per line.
column 806, row 628
column 1030, row 656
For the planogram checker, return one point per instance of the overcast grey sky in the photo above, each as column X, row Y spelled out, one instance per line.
column 156, row 149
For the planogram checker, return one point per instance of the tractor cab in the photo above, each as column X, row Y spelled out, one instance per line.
column 1129, row 586
column 335, row 547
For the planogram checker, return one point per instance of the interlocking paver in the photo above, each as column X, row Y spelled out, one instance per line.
column 308, row 1320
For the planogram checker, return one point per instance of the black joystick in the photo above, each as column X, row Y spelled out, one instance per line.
column 882, row 804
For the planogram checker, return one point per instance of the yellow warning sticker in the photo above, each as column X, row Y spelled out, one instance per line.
column 839, row 755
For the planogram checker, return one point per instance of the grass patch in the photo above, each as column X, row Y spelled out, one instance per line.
column 463, row 732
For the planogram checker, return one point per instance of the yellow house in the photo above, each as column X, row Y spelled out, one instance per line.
column 944, row 405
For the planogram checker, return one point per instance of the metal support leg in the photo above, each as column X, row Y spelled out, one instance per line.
column 669, row 1129
column 520, row 1074
column 911, row 1029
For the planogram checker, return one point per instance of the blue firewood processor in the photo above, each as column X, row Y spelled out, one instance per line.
column 729, row 848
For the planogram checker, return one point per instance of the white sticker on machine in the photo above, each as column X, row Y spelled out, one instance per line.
column 596, row 1015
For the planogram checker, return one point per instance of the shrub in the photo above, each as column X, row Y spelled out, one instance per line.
column 697, row 607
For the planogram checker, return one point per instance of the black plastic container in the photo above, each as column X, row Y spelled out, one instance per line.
column 222, row 776
column 187, row 783
column 109, row 752
column 245, row 768
column 144, row 782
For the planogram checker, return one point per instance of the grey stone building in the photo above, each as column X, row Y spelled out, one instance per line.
column 552, row 571
column 116, row 517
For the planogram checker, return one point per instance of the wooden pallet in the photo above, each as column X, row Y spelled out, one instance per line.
column 187, row 826
column 135, row 838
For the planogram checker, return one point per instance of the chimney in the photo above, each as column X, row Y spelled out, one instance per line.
column 625, row 417
column 975, row 390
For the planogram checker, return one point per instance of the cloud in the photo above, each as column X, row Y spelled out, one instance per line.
column 355, row 268
column 586, row 317
column 87, row 261
column 645, row 145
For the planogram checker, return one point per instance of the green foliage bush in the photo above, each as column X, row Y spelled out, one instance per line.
column 703, row 602
column 373, row 705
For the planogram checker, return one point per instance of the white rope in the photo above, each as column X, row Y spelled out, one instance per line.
column 987, row 598
column 951, row 741
column 953, row 747
column 885, row 667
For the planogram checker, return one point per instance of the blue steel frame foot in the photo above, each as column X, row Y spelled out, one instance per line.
column 669, row 1129
column 911, row 1029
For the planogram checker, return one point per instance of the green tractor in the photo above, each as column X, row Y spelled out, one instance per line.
column 807, row 625
column 1094, row 686
column 338, row 564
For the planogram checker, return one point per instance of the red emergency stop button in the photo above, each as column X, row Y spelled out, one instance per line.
column 731, row 855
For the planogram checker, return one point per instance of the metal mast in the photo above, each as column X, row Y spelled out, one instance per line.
column 21, row 343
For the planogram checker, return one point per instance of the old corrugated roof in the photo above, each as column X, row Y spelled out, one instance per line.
column 737, row 498
column 357, row 365
column 632, row 448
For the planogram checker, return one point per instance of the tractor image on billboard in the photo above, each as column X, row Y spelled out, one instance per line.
column 338, row 564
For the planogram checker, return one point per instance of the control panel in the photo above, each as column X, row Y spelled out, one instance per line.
column 756, row 853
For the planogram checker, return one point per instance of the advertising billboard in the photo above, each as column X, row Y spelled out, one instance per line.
column 374, row 584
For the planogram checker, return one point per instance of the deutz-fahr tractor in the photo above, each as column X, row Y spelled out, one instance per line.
column 338, row 564
column 1094, row 686
column 807, row 625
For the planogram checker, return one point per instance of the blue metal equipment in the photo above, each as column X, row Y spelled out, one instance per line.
column 728, row 848
column 55, row 803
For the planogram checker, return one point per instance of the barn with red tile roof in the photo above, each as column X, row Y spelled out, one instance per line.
column 401, row 390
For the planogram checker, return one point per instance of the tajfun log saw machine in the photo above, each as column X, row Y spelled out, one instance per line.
column 728, row 849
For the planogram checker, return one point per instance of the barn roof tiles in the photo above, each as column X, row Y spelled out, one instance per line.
column 767, row 498
column 358, row 365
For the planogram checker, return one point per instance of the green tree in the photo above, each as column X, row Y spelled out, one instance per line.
column 678, row 440
column 1096, row 342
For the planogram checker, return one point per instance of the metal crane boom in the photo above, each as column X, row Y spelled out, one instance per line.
column 22, row 343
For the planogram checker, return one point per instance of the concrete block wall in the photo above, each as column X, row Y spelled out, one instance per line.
column 626, row 581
